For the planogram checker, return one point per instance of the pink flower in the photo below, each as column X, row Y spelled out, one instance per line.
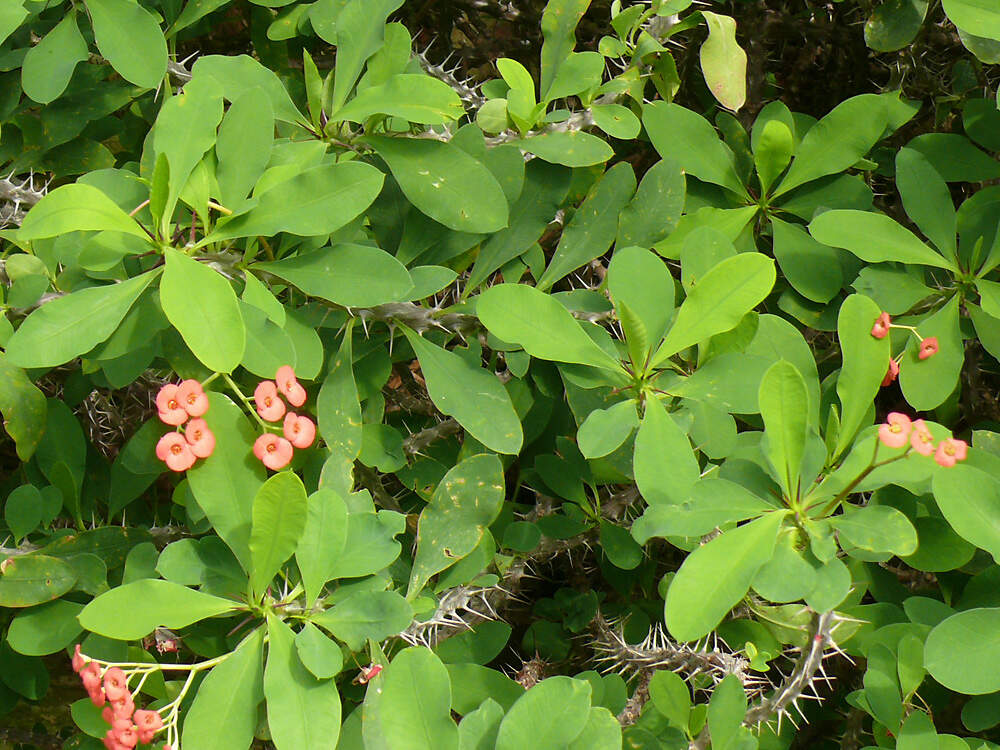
column 78, row 661
column 97, row 696
column 928, row 347
column 269, row 405
column 111, row 741
column 174, row 450
column 300, row 431
column 169, row 406
column 200, row 438
column 108, row 714
column 148, row 721
column 891, row 374
column 921, row 439
column 123, row 707
column 91, row 676
column 289, row 386
column 192, row 398
column 951, row 450
column 127, row 736
column 895, row 431
column 881, row 328
column 115, row 683
column 274, row 451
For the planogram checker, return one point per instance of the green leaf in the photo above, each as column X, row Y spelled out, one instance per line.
column 149, row 603
column 979, row 17
column 11, row 15
column 210, row 324
column 928, row 383
column 619, row 546
column 23, row 407
column 49, row 65
column 76, row 207
column 23, row 511
column 45, row 629
column 878, row 528
column 318, row 653
column 27, row 580
column 927, row 200
column 322, row 540
column 593, row 227
column 302, row 712
column 664, row 463
column 810, row 266
column 223, row 715
column 279, row 518
column 714, row 577
column 671, row 696
column 784, row 406
column 571, row 149
column 614, row 119
column 470, row 394
column 975, row 634
column 894, row 24
column 409, row 705
column 338, row 409
column 723, row 61
column 72, row 325
column 548, row 717
column 360, row 34
column 366, row 615
column 955, row 157
column 466, row 501
column 772, row 151
column 969, row 499
column 705, row 156
column 875, row 238
column 129, row 36
column 345, row 274
column 559, row 20
column 726, row 710
column 244, row 145
column 536, row 321
column 315, row 202
column 838, row 140
column 602, row 730
column 268, row 346
column 718, row 302
column 371, row 544
column 224, row 484
column 655, row 210
column 711, row 503
column 413, row 97
column 865, row 360
column 238, row 74
column 445, row 183
column 605, row 429
column 478, row 729
column 184, row 131
column 917, row 733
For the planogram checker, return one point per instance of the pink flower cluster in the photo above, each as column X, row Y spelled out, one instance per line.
column 928, row 346
column 109, row 689
column 898, row 430
column 299, row 432
column 176, row 404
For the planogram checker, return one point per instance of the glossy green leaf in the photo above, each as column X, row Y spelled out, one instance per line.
column 244, row 145
column 655, row 210
column 718, row 302
column 49, row 65
column 878, row 528
column 970, row 500
column 980, row 17
column 11, row 15
column 523, row 315
column 726, row 710
column 784, row 406
column 975, row 634
column 723, row 61
column 280, row 509
column 714, row 577
column 602, row 730
column 865, row 360
column 366, row 614
column 76, row 207
column 409, row 705
column 45, row 629
column 445, row 183
column 772, row 151
column 570, row 149
column 338, row 409
column 224, row 484
column 711, row 503
column 665, row 465
column 322, row 540
column 268, row 347
column 811, row 267
column 605, row 429
column 313, row 202
column 559, row 21
column 705, row 156
column 360, row 34
column 371, row 544
column 875, row 238
column 129, row 36
column 23, row 407
column 928, row 383
column 223, row 715
column 894, row 24
column 927, row 200
column 416, row 98
column 547, row 717
column 466, row 501
column 74, row 324
column 238, row 74
column 211, row 324
column 614, row 119
column 22, row 511
column 28, row 580
column 318, row 653
column 593, row 227
column 302, row 712
column 837, row 141
column 473, row 396
column 149, row 603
